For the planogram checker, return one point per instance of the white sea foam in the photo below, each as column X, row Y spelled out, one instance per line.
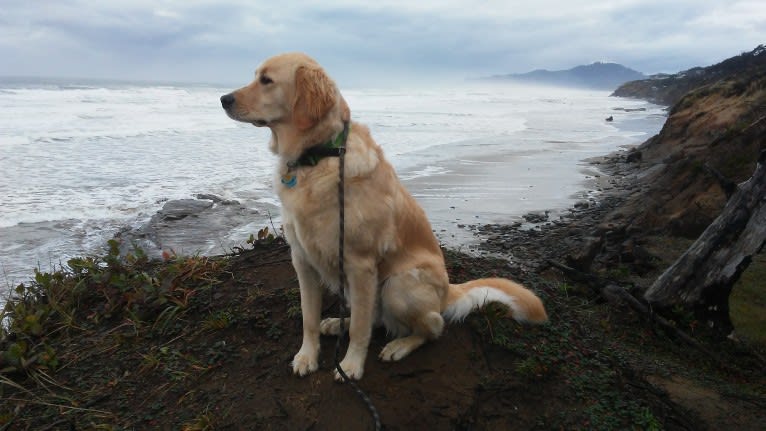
column 79, row 161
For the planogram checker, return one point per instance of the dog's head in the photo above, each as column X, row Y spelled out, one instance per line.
column 289, row 91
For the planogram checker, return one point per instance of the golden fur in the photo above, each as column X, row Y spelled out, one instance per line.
column 394, row 266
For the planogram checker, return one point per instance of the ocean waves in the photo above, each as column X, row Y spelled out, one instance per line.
column 80, row 161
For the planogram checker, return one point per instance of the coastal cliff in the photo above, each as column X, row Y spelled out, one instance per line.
column 677, row 183
column 668, row 89
column 712, row 137
column 671, row 187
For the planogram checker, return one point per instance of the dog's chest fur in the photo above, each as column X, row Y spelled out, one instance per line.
column 311, row 214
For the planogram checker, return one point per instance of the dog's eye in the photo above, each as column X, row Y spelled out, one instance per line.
column 265, row 80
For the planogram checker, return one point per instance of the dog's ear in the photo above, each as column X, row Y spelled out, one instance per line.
column 345, row 111
column 314, row 96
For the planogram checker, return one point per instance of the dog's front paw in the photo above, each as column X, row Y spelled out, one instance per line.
column 352, row 367
column 304, row 364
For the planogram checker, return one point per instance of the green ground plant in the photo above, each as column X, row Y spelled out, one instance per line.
column 148, row 296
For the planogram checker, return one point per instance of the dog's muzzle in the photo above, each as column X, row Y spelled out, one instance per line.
column 228, row 100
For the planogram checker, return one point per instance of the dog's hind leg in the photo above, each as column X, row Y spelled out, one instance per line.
column 427, row 328
column 410, row 311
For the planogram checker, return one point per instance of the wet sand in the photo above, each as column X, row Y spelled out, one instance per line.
column 501, row 190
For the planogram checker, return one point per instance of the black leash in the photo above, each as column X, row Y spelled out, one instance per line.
column 342, row 274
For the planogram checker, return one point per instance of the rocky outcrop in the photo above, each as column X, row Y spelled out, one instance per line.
column 182, row 208
column 189, row 226
column 668, row 89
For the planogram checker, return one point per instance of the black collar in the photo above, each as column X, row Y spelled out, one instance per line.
column 331, row 148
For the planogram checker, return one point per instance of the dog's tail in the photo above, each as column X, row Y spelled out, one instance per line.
column 523, row 305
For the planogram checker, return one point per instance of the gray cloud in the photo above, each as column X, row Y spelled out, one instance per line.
column 388, row 41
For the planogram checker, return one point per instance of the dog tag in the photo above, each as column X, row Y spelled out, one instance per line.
column 289, row 180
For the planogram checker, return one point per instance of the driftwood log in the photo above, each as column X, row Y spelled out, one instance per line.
column 702, row 278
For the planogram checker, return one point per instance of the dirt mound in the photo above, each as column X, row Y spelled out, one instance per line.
column 223, row 363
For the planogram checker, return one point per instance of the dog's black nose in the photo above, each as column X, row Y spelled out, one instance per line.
column 227, row 100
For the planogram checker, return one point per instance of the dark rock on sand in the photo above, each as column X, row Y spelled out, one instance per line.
column 182, row 208
column 633, row 157
column 536, row 217
column 216, row 199
column 209, row 196
column 190, row 226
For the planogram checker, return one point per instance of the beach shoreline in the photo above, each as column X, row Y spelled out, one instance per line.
column 464, row 195
column 464, row 155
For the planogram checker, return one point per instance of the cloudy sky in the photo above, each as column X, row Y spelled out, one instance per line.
column 364, row 43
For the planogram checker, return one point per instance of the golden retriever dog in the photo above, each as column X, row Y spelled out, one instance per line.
column 394, row 267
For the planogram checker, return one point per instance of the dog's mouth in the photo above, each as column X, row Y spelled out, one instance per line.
column 257, row 122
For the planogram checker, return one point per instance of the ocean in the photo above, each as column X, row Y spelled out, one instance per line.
column 82, row 160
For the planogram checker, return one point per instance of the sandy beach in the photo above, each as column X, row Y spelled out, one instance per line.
column 499, row 189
